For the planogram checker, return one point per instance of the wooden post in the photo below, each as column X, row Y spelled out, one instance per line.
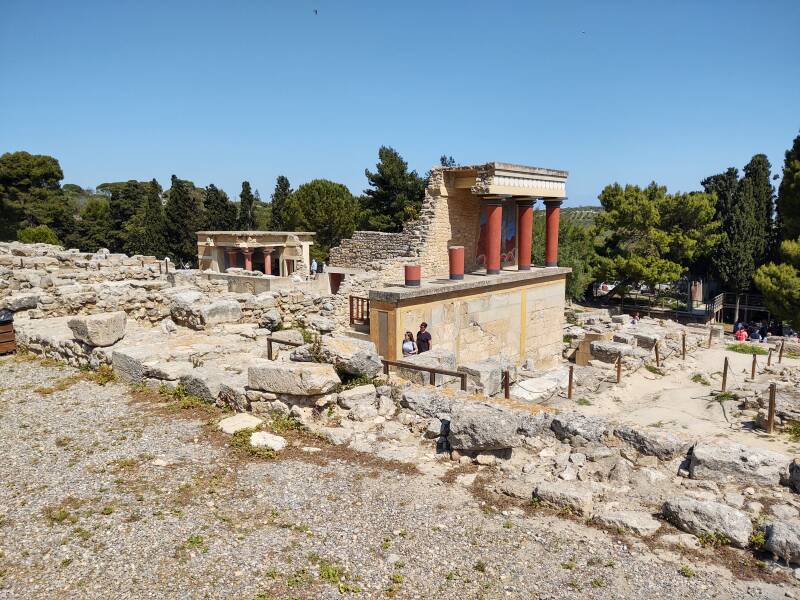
column 710, row 334
column 725, row 374
column 159, row 267
column 464, row 382
column 269, row 343
column 683, row 345
column 753, row 370
column 780, row 352
column 433, row 377
column 769, row 357
column 569, row 383
column 506, row 385
column 658, row 359
column 619, row 367
column 771, row 413
column 386, row 368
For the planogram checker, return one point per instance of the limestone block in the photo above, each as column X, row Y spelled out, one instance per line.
column 438, row 358
column 697, row 516
column 102, row 329
column 297, row 379
column 484, row 375
column 729, row 462
column 238, row 422
column 221, row 311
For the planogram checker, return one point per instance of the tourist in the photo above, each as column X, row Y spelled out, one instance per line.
column 409, row 345
column 740, row 335
column 636, row 318
column 314, row 268
column 322, row 267
column 423, row 339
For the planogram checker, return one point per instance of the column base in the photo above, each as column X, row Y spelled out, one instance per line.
column 457, row 277
column 493, row 271
column 551, row 264
column 523, row 267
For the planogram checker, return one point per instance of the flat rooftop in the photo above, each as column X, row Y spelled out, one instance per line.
column 475, row 281
column 255, row 233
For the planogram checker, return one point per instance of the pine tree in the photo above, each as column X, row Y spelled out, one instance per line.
column 789, row 195
column 246, row 201
column 279, row 197
column 94, row 227
column 395, row 195
column 758, row 172
column 219, row 212
column 181, row 223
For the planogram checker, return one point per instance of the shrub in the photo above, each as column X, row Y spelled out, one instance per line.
column 40, row 234
column 744, row 348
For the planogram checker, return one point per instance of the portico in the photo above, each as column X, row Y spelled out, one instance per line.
column 273, row 253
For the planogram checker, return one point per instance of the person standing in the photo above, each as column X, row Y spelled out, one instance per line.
column 313, row 267
column 409, row 346
column 423, row 338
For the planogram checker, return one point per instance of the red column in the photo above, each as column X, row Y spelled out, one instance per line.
column 248, row 259
column 456, row 258
column 267, row 261
column 231, row 254
column 552, row 215
column 494, row 234
column 524, row 233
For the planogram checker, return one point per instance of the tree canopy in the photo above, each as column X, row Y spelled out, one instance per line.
column 181, row 223
column 757, row 171
column 279, row 198
column 650, row 236
column 395, row 193
column 219, row 213
column 244, row 221
column 780, row 283
column 788, row 194
column 325, row 207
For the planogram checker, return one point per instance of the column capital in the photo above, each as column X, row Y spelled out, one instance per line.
column 553, row 201
column 494, row 200
column 526, row 201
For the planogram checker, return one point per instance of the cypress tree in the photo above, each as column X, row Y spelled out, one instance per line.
column 758, row 172
column 282, row 192
column 154, row 235
column 180, row 223
column 789, row 195
column 246, row 201
column 220, row 212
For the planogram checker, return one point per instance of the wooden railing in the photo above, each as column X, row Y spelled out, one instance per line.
column 715, row 305
column 432, row 371
column 359, row 310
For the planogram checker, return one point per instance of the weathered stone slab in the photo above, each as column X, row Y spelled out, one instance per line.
column 221, row 311
column 484, row 376
column 783, row 540
column 660, row 444
column 297, row 379
column 576, row 496
column 104, row 329
column 698, row 516
column 568, row 425
column 729, row 462
column 646, row 340
column 640, row 523
column 263, row 439
column 354, row 357
column 426, row 401
column 479, row 426
column 363, row 394
column 238, row 422
column 609, row 351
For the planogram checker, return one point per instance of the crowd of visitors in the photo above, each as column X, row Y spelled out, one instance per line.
column 760, row 331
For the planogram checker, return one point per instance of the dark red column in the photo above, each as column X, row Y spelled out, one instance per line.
column 231, row 253
column 524, row 233
column 413, row 275
column 456, row 258
column 267, row 261
column 494, row 234
column 552, row 215
column 248, row 259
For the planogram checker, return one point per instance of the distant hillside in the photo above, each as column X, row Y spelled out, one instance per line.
column 580, row 215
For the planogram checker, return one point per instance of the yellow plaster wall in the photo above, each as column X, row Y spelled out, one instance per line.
column 516, row 322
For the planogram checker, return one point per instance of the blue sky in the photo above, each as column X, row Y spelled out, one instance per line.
column 217, row 92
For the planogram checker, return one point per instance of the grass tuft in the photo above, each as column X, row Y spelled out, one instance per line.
column 745, row 348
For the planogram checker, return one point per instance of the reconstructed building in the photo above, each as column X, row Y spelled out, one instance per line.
column 276, row 253
column 464, row 267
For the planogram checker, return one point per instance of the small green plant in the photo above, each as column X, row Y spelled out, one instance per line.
column 757, row 540
column 59, row 515
column 272, row 573
column 700, row 378
column 713, row 539
column 726, row 396
column 598, row 582
column 299, row 578
column 329, row 572
column 569, row 565
column 794, row 431
column 744, row 348
column 82, row 533
column 241, row 441
column 386, row 544
column 396, row 577
column 536, row 502
column 195, row 542
column 654, row 370
column 281, row 423
column 583, row 402
column 66, row 562
column 508, row 525
column 451, row 575
column 480, row 566
column 687, row 571
column 107, row 510
column 104, row 374
column 349, row 381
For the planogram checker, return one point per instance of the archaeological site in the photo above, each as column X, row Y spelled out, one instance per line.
column 256, row 425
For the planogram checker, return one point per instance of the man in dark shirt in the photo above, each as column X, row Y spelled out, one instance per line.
column 423, row 339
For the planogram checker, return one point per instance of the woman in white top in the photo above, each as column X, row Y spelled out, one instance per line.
column 409, row 345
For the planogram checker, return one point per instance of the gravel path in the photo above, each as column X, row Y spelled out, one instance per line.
column 103, row 496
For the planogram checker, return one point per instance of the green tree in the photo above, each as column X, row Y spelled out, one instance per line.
column 325, row 207
column 279, row 198
column 30, row 194
column 94, row 226
column 246, row 202
column 788, row 194
column 181, row 220
column 220, row 212
column 125, row 199
column 780, row 283
column 144, row 232
column 41, row 234
column 758, row 172
column 650, row 236
column 395, row 194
